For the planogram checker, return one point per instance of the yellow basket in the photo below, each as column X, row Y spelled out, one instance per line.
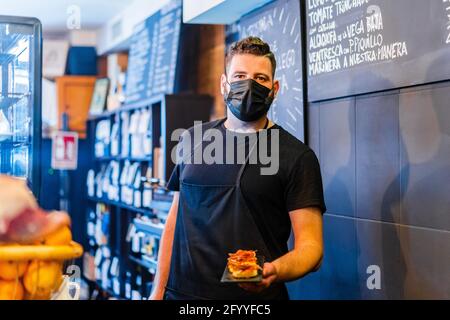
column 34, row 259
column 40, row 252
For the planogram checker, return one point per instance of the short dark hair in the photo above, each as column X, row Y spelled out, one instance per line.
column 251, row 45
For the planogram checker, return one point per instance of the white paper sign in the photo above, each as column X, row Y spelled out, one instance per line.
column 65, row 150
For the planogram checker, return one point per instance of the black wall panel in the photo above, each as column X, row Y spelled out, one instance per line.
column 425, row 156
column 337, row 155
column 377, row 158
column 339, row 278
column 427, row 258
column 380, row 247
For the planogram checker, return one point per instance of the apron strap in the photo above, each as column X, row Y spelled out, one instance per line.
column 241, row 170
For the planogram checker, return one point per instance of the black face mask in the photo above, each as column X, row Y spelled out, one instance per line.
column 248, row 100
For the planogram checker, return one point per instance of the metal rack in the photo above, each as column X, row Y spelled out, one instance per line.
column 20, row 98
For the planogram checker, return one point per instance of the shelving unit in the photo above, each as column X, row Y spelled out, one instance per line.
column 168, row 112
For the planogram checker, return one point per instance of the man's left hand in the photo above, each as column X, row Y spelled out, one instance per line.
column 269, row 276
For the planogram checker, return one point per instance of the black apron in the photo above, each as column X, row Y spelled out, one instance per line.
column 213, row 221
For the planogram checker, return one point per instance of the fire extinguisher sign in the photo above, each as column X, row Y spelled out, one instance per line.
column 65, row 150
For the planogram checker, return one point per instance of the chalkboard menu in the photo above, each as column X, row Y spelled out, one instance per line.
column 153, row 55
column 279, row 24
column 360, row 46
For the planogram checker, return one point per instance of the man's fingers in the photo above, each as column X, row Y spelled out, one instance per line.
column 269, row 276
column 268, row 269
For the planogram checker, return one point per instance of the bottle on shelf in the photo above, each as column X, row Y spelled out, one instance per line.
column 114, row 276
column 105, row 267
column 115, row 137
column 125, row 134
column 128, row 285
column 92, row 219
column 147, row 188
column 136, row 288
column 102, row 138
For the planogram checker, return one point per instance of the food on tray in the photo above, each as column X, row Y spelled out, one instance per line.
column 243, row 264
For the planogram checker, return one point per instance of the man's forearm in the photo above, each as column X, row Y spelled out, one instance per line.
column 164, row 258
column 165, row 253
column 298, row 262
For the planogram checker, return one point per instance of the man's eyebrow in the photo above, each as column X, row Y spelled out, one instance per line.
column 236, row 72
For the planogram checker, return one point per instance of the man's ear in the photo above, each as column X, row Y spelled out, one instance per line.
column 223, row 83
column 276, row 87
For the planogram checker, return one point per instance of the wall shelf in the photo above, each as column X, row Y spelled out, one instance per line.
column 122, row 205
column 128, row 108
column 149, row 227
column 146, row 263
column 119, row 158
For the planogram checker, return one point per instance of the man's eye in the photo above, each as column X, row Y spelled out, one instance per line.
column 239, row 76
column 261, row 79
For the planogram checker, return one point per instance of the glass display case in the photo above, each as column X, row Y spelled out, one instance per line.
column 20, row 99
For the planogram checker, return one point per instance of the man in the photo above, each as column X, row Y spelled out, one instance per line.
column 221, row 207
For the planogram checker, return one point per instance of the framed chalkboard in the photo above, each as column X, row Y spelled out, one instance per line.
column 153, row 55
column 279, row 24
column 363, row 46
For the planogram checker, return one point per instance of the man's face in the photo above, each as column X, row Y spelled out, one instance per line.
column 249, row 66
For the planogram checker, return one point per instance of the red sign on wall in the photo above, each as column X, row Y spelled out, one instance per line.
column 65, row 150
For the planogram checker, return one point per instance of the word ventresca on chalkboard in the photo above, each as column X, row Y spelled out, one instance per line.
column 447, row 10
column 360, row 40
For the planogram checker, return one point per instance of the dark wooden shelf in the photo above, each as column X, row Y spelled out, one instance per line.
column 155, row 206
column 148, row 227
column 128, row 107
column 144, row 263
column 119, row 158
column 122, row 205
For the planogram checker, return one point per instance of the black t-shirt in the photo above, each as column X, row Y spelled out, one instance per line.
column 296, row 184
